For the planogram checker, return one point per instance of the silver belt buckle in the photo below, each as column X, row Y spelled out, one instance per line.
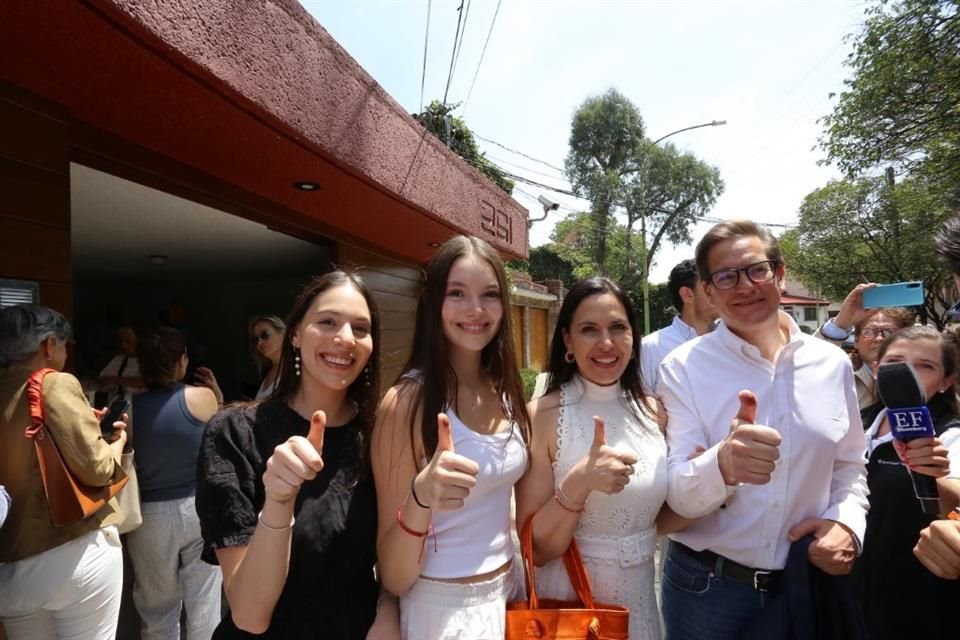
column 756, row 582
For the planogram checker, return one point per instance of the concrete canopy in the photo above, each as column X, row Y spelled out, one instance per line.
column 258, row 95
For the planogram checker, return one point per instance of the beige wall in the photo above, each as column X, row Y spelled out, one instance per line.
column 395, row 285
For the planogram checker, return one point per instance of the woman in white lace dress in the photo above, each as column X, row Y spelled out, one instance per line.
column 598, row 459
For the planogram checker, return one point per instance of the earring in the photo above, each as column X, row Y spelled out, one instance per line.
column 296, row 362
column 366, row 376
column 569, row 358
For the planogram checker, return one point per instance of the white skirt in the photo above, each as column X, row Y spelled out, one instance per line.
column 434, row 610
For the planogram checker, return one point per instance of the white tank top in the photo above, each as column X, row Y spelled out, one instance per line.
column 475, row 539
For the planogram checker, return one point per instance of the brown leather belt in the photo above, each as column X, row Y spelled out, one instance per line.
column 760, row 579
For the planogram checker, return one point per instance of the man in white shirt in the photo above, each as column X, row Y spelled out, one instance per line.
column 776, row 415
column 870, row 327
column 695, row 318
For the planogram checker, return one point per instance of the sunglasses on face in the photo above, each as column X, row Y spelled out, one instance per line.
column 263, row 335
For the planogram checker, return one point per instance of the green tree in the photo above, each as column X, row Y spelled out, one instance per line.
column 668, row 195
column 545, row 263
column 455, row 133
column 901, row 107
column 869, row 230
column 573, row 241
column 606, row 138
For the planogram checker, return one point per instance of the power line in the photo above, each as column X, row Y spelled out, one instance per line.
column 463, row 32
column 482, row 53
column 520, row 166
column 519, row 153
column 453, row 54
column 426, row 38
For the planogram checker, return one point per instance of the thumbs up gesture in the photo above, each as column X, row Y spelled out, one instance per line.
column 447, row 479
column 603, row 468
column 749, row 452
column 295, row 461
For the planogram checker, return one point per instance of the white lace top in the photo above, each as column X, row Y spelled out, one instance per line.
column 616, row 533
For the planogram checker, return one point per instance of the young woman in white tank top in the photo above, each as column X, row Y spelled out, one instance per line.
column 449, row 443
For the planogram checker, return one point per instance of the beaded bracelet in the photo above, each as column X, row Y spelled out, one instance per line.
column 569, row 500
column 557, row 499
column 417, row 534
column 270, row 528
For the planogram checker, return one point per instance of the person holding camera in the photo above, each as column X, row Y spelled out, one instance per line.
column 869, row 328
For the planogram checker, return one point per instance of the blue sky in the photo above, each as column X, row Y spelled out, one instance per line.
column 767, row 67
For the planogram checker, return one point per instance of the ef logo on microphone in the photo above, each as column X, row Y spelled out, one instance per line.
column 907, row 423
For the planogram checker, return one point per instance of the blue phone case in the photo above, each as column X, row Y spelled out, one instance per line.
column 898, row 294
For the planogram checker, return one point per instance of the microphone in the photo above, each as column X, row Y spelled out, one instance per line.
column 905, row 399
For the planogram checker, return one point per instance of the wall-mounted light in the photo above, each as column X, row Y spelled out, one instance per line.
column 306, row 185
column 158, row 258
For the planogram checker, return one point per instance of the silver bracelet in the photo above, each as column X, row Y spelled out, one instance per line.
column 268, row 527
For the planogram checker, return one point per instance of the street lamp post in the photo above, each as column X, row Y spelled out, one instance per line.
column 644, row 270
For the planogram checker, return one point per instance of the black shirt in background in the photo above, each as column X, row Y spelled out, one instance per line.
column 330, row 590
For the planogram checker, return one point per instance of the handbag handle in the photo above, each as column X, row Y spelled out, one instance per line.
column 35, row 403
column 572, row 561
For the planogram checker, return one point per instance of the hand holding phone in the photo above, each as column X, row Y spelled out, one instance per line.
column 898, row 294
column 113, row 414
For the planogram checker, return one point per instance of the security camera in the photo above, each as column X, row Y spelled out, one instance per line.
column 548, row 204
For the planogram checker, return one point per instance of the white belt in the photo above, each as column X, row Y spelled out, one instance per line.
column 629, row 551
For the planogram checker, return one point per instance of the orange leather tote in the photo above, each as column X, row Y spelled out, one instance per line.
column 69, row 500
column 581, row 619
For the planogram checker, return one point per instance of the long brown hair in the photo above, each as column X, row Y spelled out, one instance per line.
column 365, row 389
column 434, row 382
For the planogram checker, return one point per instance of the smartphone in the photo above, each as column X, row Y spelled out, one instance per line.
column 898, row 294
column 114, row 413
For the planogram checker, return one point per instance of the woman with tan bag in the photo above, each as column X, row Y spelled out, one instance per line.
column 55, row 582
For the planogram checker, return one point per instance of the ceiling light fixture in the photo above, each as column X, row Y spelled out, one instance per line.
column 306, row 185
column 157, row 258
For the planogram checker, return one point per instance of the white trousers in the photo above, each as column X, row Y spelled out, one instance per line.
column 70, row 592
column 434, row 610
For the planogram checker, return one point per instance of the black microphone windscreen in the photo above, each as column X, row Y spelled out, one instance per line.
column 899, row 386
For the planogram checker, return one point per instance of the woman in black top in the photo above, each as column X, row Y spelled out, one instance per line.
column 285, row 494
column 900, row 598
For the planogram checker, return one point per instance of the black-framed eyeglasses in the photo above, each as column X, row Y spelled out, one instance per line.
column 953, row 313
column 263, row 335
column 757, row 273
column 883, row 332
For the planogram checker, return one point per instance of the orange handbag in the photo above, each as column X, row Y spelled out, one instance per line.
column 581, row 619
column 69, row 500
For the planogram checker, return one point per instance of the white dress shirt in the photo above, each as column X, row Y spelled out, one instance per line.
column 808, row 397
column 655, row 347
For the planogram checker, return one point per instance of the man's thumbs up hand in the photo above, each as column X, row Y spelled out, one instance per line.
column 749, row 453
